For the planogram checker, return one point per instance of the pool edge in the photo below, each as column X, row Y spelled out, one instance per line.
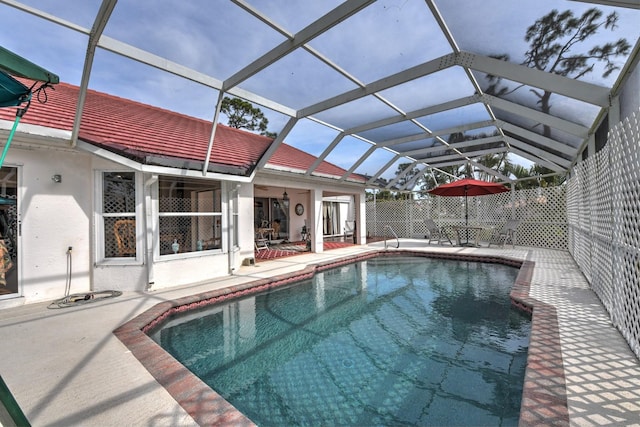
column 544, row 398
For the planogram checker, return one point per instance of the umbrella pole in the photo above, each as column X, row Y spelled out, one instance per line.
column 466, row 209
column 466, row 216
column 6, row 146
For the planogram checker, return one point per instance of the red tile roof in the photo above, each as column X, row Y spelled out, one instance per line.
column 146, row 133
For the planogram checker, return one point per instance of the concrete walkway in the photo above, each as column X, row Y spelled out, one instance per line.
column 65, row 367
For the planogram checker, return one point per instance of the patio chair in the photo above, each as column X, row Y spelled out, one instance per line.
column 505, row 234
column 261, row 242
column 436, row 233
column 349, row 228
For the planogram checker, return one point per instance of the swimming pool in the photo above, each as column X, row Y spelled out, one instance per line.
column 407, row 340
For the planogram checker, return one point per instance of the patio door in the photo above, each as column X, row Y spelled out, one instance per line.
column 272, row 213
column 9, row 232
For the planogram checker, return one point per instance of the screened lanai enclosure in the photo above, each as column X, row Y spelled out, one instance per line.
column 408, row 94
column 386, row 89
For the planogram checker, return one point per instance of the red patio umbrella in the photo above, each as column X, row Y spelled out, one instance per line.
column 468, row 187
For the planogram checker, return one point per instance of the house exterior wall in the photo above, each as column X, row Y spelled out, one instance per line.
column 310, row 193
column 153, row 272
column 54, row 216
column 202, row 266
column 127, row 275
column 245, row 226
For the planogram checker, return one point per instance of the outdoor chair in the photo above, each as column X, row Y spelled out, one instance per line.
column 261, row 245
column 505, row 234
column 436, row 233
column 261, row 242
column 349, row 228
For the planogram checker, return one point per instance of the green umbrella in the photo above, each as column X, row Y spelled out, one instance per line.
column 12, row 92
column 16, row 65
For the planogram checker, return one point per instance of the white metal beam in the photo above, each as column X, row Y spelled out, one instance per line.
column 540, row 139
column 490, row 171
column 412, row 182
column 47, row 16
column 360, row 160
column 401, row 175
column 434, row 109
column 163, row 64
column 470, row 143
column 456, row 49
column 383, row 169
column 576, row 89
column 541, row 154
column 439, row 133
column 460, row 161
column 537, row 160
column 255, row 12
column 401, row 77
column 325, row 153
column 632, row 4
column 465, row 156
column 326, row 22
column 102, row 17
column 212, row 135
column 276, row 143
column 537, row 116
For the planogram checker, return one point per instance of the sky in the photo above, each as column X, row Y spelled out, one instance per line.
column 219, row 39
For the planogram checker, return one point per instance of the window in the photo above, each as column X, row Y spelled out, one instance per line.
column 271, row 213
column 190, row 215
column 119, row 214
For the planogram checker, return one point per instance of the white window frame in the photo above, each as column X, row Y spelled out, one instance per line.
column 158, row 215
column 99, row 216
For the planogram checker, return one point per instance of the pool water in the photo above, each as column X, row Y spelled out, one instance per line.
column 386, row 341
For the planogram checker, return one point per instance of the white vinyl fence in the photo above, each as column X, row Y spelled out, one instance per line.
column 542, row 213
column 603, row 203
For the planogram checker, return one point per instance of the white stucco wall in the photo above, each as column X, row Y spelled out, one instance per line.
column 54, row 216
column 182, row 271
column 245, row 228
column 310, row 192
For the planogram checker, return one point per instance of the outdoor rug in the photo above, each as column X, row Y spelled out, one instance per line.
column 335, row 245
column 294, row 248
column 279, row 251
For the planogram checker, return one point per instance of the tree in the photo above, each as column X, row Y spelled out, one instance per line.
column 495, row 161
column 547, row 178
column 556, row 45
column 408, row 176
column 382, row 194
column 243, row 115
column 520, row 173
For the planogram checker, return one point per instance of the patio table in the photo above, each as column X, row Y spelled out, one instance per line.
column 464, row 231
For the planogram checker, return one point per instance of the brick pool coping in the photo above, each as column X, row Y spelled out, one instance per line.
column 544, row 399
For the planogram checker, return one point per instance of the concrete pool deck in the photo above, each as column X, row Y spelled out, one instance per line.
column 66, row 367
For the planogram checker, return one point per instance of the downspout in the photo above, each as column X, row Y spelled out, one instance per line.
column 375, row 212
column 232, row 207
column 149, row 225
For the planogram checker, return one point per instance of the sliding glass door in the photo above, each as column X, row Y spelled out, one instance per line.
column 9, row 232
